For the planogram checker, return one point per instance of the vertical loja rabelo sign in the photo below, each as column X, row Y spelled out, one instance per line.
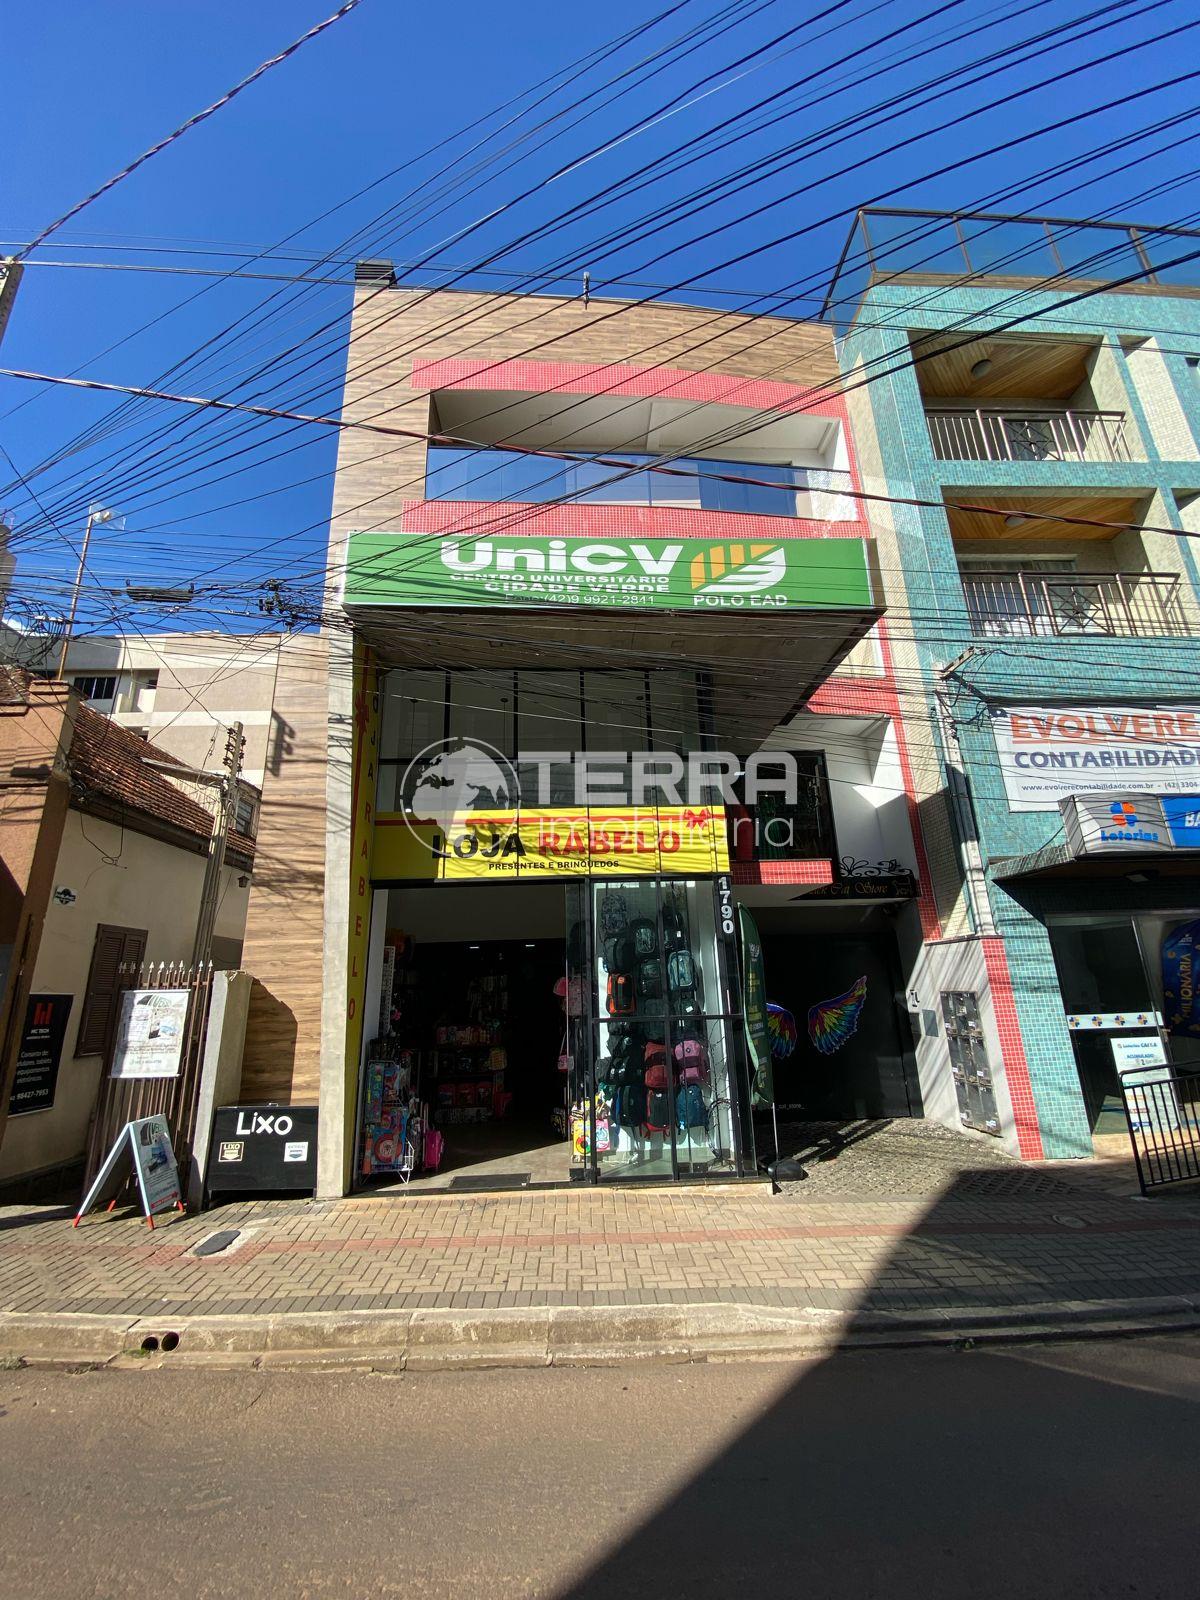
column 364, row 746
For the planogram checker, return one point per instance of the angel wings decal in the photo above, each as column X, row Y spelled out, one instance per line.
column 832, row 1022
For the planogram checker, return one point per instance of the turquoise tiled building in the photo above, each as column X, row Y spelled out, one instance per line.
column 1024, row 396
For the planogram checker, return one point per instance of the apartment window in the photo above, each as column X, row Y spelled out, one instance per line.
column 246, row 817
column 115, row 948
column 142, row 688
column 95, row 687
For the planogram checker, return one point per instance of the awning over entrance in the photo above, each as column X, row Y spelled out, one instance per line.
column 767, row 621
column 1055, row 862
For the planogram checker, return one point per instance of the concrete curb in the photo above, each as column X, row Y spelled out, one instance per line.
column 559, row 1336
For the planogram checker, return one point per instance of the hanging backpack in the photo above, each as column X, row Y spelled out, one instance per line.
column 621, row 998
column 690, row 1110
column 618, row 953
column 681, row 972
column 645, row 937
column 629, row 1109
column 692, row 1060
column 614, row 917
column 655, row 1059
column 674, row 922
column 656, row 1075
column 658, row 1111
column 649, row 978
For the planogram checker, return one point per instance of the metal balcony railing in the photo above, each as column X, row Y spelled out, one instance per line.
column 961, row 435
column 1039, row 604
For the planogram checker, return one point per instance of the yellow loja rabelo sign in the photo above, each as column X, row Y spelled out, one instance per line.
column 553, row 842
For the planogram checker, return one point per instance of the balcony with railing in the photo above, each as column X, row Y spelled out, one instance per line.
column 959, row 434
column 1021, row 604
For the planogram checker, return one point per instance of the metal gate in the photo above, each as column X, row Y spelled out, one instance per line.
column 1162, row 1110
column 969, row 1061
column 122, row 1100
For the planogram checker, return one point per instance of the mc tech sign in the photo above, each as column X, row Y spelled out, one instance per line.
column 1048, row 752
column 668, row 574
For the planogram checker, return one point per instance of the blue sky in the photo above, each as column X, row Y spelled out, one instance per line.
column 87, row 86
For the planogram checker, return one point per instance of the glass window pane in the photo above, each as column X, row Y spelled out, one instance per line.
column 481, row 708
column 722, row 494
column 912, row 244
column 414, row 713
column 615, row 708
column 1009, row 249
column 674, row 712
column 1097, row 252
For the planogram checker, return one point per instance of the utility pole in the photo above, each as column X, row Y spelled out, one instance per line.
column 95, row 514
column 235, row 746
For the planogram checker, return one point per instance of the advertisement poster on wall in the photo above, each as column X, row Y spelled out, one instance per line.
column 1181, row 1004
column 754, row 998
column 150, row 1033
column 41, row 1051
column 1047, row 752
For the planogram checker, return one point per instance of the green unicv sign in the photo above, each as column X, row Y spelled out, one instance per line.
column 421, row 569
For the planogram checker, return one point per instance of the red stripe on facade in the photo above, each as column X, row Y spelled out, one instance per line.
column 625, row 378
column 598, row 522
column 1012, row 1049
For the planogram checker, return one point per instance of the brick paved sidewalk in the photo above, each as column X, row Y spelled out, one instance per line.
column 972, row 1245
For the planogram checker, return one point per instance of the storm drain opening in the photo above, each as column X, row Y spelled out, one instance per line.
column 170, row 1341
column 149, row 1344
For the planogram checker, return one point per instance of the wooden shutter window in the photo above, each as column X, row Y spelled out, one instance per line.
column 114, row 948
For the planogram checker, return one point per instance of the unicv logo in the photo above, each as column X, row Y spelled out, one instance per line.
column 738, row 569
column 595, row 559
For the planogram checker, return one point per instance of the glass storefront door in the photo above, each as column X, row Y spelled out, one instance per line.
column 658, row 1047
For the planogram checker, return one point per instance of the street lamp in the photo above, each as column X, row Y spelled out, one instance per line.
column 95, row 514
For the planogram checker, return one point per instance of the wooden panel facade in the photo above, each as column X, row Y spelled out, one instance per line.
column 284, row 945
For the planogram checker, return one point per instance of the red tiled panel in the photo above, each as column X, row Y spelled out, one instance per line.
column 811, row 873
column 599, row 522
column 1012, row 1049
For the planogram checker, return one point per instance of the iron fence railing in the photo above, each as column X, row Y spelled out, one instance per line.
column 1162, row 1109
column 958, row 434
column 1017, row 604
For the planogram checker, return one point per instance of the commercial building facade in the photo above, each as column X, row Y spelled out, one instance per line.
column 1023, row 399
column 511, row 572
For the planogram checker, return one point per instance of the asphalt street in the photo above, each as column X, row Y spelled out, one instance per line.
column 1066, row 1470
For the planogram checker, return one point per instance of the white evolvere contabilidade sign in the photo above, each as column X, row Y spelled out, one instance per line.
column 1050, row 751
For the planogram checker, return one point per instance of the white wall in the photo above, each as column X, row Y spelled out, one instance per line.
column 122, row 878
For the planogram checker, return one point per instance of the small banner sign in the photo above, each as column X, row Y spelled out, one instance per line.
column 142, row 1150
column 41, row 1051
column 1181, row 1005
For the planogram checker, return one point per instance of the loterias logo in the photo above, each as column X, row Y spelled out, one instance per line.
column 1124, row 829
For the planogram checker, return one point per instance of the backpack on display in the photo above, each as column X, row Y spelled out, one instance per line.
column 649, row 978
column 674, row 921
column 621, row 998
column 681, row 972
column 645, row 937
column 656, row 1075
column 614, row 917
column 691, row 1057
column 629, row 1108
column 618, row 953
column 658, row 1111
column 654, row 1008
column 656, row 1056
column 690, row 1110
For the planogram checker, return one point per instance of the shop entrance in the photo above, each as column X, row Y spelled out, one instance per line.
column 837, row 970
column 463, row 1088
